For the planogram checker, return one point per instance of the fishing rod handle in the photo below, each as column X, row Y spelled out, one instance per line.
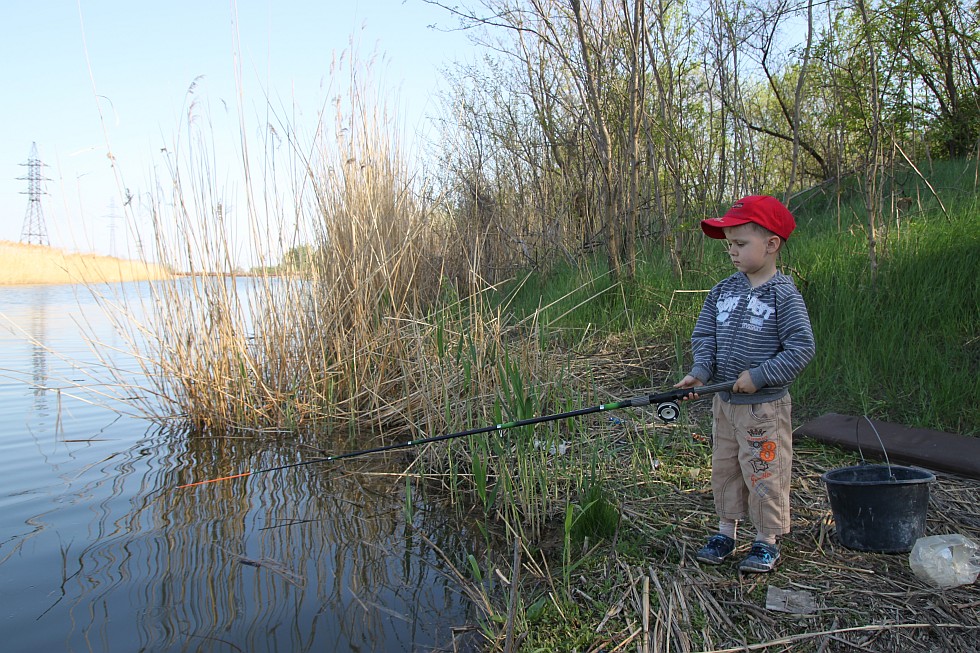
column 680, row 393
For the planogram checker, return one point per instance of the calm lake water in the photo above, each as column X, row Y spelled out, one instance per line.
column 100, row 552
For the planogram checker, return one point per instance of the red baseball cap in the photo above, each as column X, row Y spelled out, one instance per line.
column 765, row 211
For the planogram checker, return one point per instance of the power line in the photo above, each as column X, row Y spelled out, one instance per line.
column 34, row 230
column 113, row 217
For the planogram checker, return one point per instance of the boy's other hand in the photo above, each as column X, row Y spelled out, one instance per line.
column 744, row 383
column 689, row 382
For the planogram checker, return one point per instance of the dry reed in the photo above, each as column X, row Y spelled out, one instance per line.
column 359, row 335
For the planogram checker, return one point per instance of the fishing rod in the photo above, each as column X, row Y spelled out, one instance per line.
column 667, row 410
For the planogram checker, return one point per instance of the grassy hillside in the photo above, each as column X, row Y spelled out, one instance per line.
column 901, row 345
column 27, row 264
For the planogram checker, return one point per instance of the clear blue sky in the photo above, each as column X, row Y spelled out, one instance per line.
column 64, row 60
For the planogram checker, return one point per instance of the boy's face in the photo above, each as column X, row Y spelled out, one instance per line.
column 751, row 248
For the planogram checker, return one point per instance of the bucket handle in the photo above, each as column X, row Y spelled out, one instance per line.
column 857, row 437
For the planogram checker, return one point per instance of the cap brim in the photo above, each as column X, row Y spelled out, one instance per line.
column 714, row 227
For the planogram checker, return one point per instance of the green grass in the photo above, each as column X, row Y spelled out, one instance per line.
column 904, row 347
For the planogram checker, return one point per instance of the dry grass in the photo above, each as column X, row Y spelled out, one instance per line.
column 642, row 590
column 658, row 598
column 381, row 329
column 29, row 264
column 864, row 601
column 345, row 342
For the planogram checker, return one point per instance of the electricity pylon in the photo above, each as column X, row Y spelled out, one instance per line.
column 34, row 231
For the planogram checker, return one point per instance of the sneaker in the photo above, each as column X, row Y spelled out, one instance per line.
column 716, row 549
column 762, row 558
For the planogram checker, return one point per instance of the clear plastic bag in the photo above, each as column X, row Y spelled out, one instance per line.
column 945, row 560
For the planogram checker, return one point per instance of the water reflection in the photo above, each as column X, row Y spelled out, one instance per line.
column 302, row 557
column 39, row 357
column 100, row 551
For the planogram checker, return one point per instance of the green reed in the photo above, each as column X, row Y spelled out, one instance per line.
column 508, row 473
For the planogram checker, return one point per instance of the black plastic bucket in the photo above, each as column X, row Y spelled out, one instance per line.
column 879, row 508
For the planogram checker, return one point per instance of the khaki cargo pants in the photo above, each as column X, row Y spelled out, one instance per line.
column 751, row 463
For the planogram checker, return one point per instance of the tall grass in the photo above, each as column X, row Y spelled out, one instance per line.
column 332, row 345
column 904, row 346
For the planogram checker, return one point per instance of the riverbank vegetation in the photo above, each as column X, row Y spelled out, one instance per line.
column 553, row 260
column 22, row 263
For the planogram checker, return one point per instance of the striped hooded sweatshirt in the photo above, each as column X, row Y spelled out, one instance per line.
column 765, row 330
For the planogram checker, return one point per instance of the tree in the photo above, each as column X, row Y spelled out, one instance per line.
column 938, row 42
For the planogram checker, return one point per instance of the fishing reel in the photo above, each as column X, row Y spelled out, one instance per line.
column 668, row 411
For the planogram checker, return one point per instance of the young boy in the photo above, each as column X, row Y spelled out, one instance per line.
column 753, row 330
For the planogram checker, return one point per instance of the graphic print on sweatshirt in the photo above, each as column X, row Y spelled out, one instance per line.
column 726, row 306
column 759, row 311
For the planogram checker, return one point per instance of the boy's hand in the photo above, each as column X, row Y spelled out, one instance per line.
column 744, row 383
column 689, row 382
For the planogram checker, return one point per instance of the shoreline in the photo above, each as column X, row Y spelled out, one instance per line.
column 24, row 264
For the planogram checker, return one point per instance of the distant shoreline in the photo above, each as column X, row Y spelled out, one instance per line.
column 24, row 264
